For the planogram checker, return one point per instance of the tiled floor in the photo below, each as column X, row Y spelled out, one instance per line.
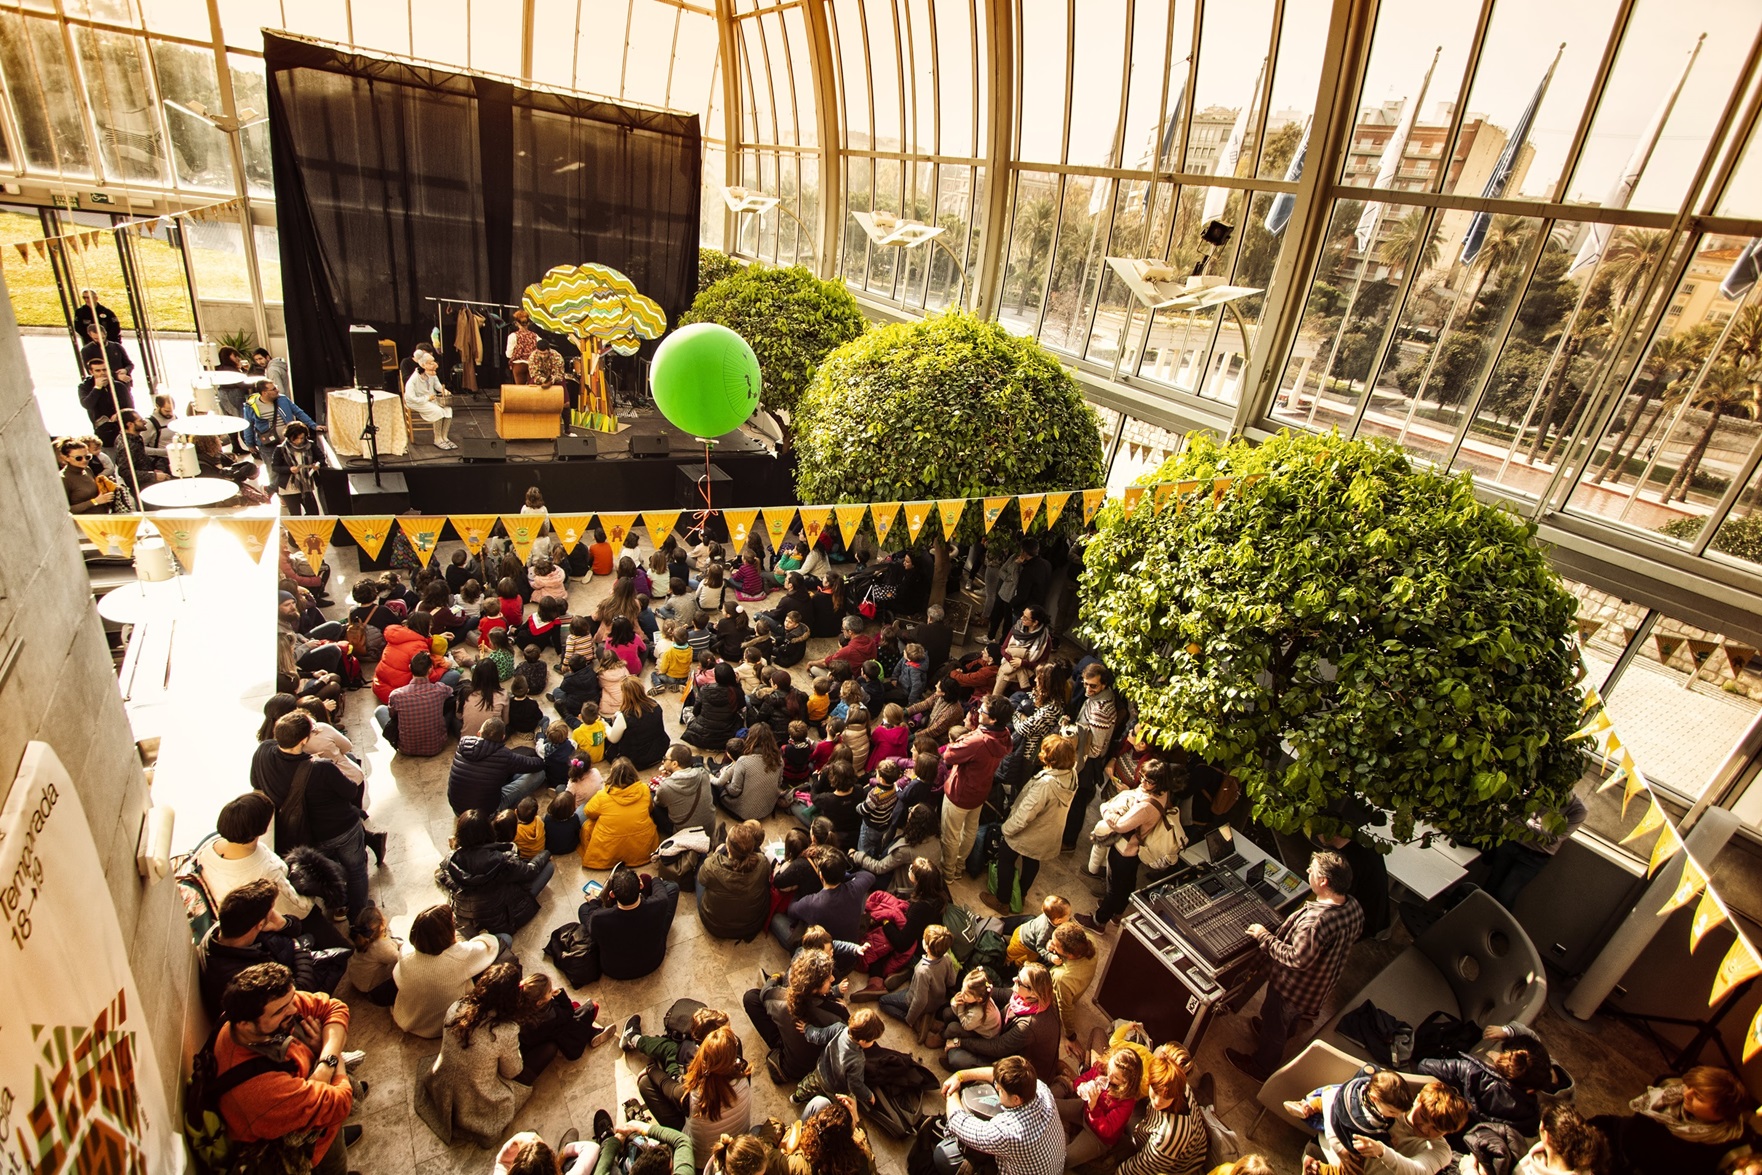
column 409, row 801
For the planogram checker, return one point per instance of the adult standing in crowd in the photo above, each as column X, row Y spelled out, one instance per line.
column 1516, row 863
column 972, row 762
column 1123, row 831
column 1307, row 953
column 936, row 637
column 315, row 803
column 267, row 415
column 1028, row 644
column 1034, row 829
column 1098, row 715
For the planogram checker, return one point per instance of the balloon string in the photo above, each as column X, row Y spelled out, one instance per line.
column 703, row 516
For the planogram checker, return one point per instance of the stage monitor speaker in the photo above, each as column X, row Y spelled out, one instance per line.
column 483, row 449
column 571, row 448
column 369, row 364
column 646, row 446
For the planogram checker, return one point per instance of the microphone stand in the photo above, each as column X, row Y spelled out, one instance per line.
column 370, row 434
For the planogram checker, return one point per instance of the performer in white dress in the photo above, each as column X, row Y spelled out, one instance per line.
column 423, row 393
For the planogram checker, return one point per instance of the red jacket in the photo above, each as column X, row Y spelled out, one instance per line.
column 401, row 644
column 855, row 652
column 972, row 762
column 274, row 1105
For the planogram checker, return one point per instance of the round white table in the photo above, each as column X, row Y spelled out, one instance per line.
column 207, row 426
column 132, row 603
column 185, row 492
column 223, row 378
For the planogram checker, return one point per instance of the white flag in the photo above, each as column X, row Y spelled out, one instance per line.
column 1218, row 199
column 1390, row 163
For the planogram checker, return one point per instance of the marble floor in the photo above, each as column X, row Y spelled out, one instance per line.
column 408, row 800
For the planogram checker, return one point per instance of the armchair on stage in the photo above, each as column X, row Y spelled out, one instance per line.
column 528, row 413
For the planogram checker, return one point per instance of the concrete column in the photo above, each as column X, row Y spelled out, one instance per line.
column 1643, row 922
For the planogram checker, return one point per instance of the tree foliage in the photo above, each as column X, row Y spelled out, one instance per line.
column 792, row 319
column 1409, row 645
column 712, row 266
column 951, row 406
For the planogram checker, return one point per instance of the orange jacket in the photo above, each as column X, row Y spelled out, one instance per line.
column 401, row 644
column 274, row 1105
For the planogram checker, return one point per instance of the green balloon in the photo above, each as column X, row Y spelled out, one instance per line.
column 705, row 379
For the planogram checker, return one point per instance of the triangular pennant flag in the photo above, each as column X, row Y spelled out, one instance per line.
column 1055, row 505
column 1613, row 745
column 1252, row 478
column 1028, row 505
column 993, row 510
column 1636, row 783
column 884, row 515
column 950, row 509
column 1182, row 490
column 569, row 529
column 1219, row 487
column 1615, row 777
column 1686, row 888
column 1131, row 498
column 523, row 530
column 1707, row 915
column 1740, row 964
column 24, row 251
column 1663, row 848
column 740, row 526
column 1161, row 493
column 371, row 533
column 180, row 534
column 252, row 533
column 813, row 522
column 424, row 533
column 850, row 520
column 916, row 514
column 112, row 534
column 1753, row 1038
column 616, row 527
column 660, row 524
column 1592, row 700
column 1592, row 728
column 311, row 536
column 474, row 530
column 777, row 520
column 1653, row 819
column 1092, row 500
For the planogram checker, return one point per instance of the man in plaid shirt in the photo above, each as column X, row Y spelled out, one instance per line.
column 1307, row 952
column 1026, row 1137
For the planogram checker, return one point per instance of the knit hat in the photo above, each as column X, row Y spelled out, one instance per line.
column 284, row 597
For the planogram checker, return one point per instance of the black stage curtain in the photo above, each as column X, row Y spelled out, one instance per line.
column 396, row 181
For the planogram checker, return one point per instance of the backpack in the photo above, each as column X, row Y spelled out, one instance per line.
column 1444, row 1035
column 211, row 1150
column 199, row 904
column 572, row 949
column 678, row 1020
column 1161, row 846
column 921, row 1158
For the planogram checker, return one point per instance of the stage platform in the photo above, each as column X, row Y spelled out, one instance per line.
column 605, row 475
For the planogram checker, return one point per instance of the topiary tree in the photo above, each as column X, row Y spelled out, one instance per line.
column 791, row 318
column 951, row 406
column 1410, row 646
column 712, row 266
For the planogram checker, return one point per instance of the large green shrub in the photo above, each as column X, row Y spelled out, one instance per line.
column 712, row 266
column 791, row 318
column 1409, row 646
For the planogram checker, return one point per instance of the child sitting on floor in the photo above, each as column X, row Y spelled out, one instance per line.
column 529, row 837
column 533, row 670
column 524, row 716
column 672, row 659
column 501, row 652
column 513, row 608
column 580, row 642
column 562, row 825
column 590, row 733
column 558, row 749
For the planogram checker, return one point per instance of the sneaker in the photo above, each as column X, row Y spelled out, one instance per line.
column 376, row 845
column 352, row 1134
column 570, row 1135
column 602, row 1125
column 632, row 1030
column 1244, row 1064
column 601, row 1034
column 352, row 1058
column 1205, row 1090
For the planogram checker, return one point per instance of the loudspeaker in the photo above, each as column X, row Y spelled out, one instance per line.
column 572, row 447
column 483, row 449
column 1604, row 883
column 369, row 366
column 646, row 446
column 390, row 496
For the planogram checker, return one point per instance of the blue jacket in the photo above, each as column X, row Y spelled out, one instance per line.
column 263, row 418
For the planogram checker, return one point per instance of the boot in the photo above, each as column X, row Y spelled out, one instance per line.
column 873, row 990
column 993, row 902
column 376, row 845
column 897, row 980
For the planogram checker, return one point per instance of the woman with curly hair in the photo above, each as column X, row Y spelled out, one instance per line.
column 827, row 1141
column 472, row 1093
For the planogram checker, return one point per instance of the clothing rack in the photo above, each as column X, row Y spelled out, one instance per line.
column 469, row 302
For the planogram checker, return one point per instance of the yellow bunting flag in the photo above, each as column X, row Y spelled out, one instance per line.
column 777, row 520
column 850, row 520
column 424, row 532
column 1592, row 700
column 1055, row 505
column 993, row 510
column 371, row 533
column 474, row 530
column 916, row 514
column 1651, row 821
column 1028, row 505
column 523, row 530
column 1132, row 496
column 113, row 534
column 311, row 536
column 883, row 514
column 1708, row 914
column 180, row 534
column 1161, row 493
column 252, row 533
column 569, row 529
column 813, row 522
column 950, row 510
column 1219, row 487
column 660, row 524
column 1740, row 964
column 1182, row 490
column 740, row 526
column 616, row 527
column 1636, row 783
column 1592, row 728
column 1092, row 500
column 1690, row 884
column 1753, row 1038
column 1615, row 777
column 1663, row 848
column 1613, row 745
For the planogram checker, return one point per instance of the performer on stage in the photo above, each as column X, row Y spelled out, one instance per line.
column 521, row 344
column 424, row 395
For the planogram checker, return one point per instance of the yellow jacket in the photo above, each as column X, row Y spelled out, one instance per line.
column 616, row 826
